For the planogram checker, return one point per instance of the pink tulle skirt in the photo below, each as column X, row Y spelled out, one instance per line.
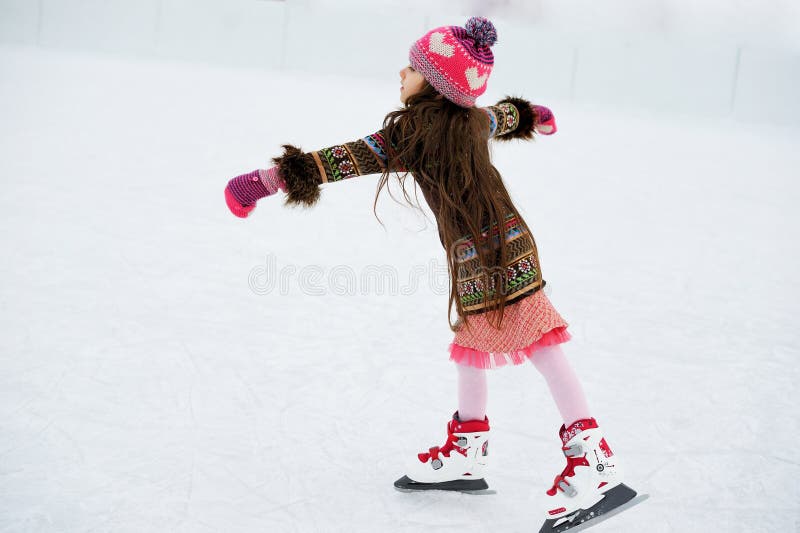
column 528, row 325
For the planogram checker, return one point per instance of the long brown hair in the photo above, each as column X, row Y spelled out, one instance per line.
column 446, row 149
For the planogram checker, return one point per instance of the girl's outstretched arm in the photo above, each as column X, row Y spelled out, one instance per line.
column 300, row 174
column 517, row 118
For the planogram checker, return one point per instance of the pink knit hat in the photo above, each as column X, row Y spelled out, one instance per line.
column 456, row 61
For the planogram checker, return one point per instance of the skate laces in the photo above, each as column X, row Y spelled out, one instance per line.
column 575, row 457
column 453, row 443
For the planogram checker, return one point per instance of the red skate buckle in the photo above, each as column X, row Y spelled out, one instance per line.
column 605, row 448
column 556, row 511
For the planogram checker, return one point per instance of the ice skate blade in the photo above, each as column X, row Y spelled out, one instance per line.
column 469, row 486
column 616, row 500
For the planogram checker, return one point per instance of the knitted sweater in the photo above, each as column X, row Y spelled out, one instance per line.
column 511, row 118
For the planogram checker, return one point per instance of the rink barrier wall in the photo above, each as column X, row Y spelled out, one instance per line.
column 666, row 72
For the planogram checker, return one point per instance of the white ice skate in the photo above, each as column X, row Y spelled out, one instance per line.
column 590, row 485
column 458, row 465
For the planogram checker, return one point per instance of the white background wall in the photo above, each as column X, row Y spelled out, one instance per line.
column 701, row 57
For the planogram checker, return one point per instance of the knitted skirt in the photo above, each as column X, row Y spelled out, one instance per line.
column 529, row 324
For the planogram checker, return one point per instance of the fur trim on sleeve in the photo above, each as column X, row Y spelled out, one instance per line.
column 300, row 173
column 527, row 120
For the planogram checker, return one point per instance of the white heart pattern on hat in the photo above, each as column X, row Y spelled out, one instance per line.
column 438, row 45
column 473, row 79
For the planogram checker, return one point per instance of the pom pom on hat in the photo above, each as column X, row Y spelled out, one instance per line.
column 482, row 30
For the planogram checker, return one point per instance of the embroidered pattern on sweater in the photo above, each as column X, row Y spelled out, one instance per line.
column 346, row 160
column 521, row 275
column 507, row 118
column 492, row 120
column 377, row 144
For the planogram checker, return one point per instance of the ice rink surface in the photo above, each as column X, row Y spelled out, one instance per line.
column 151, row 378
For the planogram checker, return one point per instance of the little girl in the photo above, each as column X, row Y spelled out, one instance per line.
column 503, row 315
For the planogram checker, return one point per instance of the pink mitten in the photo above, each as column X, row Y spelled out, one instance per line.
column 242, row 192
column 545, row 122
